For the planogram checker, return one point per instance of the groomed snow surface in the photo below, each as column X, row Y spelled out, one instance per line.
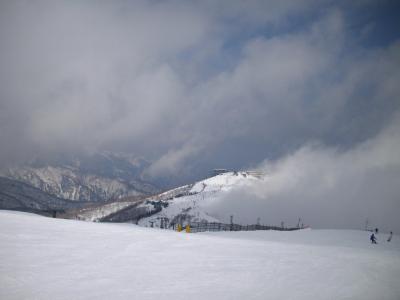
column 44, row 258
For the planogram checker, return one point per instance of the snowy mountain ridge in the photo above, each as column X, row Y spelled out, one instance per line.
column 180, row 205
column 192, row 206
column 93, row 178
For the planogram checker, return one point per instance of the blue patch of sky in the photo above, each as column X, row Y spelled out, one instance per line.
column 376, row 24
column 234, row 41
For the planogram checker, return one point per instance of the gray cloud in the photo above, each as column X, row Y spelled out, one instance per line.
column 191, row 86
column 327, row 187
column 92, row 74
column 293, row 88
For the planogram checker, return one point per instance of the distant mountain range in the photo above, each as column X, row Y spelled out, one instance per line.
column 96, row 177
column 109, row 187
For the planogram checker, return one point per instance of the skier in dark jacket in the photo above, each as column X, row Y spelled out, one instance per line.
column 373, row 239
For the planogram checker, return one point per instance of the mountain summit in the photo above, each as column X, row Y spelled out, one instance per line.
column 185, row 204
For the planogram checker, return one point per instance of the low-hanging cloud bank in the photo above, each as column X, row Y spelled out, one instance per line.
column 193, row 85
column 326, row 187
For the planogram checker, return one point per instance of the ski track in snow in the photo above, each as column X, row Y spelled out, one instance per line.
column 44, row 258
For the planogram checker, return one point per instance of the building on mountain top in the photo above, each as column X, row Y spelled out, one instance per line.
column 219, row 171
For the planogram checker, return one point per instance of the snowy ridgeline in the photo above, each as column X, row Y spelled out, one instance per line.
column 45, row 258
column 181, row 205
column 96, row 178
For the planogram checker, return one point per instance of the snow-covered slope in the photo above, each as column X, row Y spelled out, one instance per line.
column 180, row 205
column 189, row 206
column 102, row 212
column 44, row 258
column 94, row 178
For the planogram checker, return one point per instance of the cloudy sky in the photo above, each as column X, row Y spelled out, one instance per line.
column 196, row 85
column 325, row 186
column 306, row 90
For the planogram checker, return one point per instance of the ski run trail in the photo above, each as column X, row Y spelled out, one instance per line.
column 44, row 258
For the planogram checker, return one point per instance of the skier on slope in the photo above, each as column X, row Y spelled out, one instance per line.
column 373, row 239
column 390, row 237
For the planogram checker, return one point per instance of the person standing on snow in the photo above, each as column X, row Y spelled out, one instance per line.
column 373, row 239
column 390, row 237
